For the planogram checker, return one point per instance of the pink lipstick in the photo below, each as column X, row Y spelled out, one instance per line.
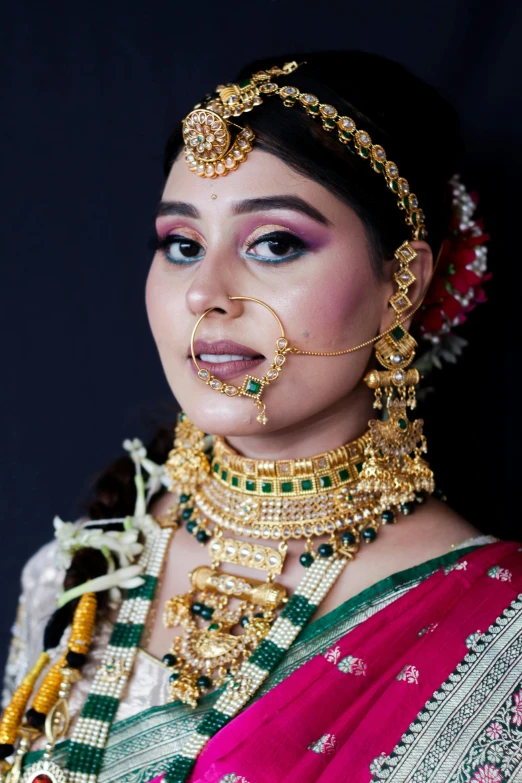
column 225, row 359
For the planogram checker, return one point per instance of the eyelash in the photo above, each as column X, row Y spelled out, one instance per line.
column 163, row 244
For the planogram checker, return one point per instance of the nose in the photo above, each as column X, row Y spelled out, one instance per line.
column 211, row 288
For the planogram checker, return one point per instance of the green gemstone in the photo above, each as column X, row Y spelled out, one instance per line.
column 369, row 534
column 234, row 481
column 186, row 513
column 201, row 138
column 174, row 676
column 365, row 152
column 414, row 219
column 387, row 517
column 325, row 550
column 253, row 387
column 216, row 467
column 306, row 559
column 406, row 202
column 398, row 333
column 359, row 467
column 287, row 486
column 203, row 682
column 313, row 109
column 224, row 475
column 250, row 486
column 213, row 627
column 344, row 474
column 182, row 416
column 348, row 538
column 325, row 482
column 306, row 484
column 347, row 134
column 402, row 424
column 191, row 527
column 245, row 83
column 266, row 486
column 184, row 498
column 420, row 497
column 394, row 186
column 407, row 508
column 379, row 167
column 329, row 122
column 169, row 659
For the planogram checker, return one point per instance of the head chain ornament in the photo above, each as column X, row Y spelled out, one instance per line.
column 215, row 145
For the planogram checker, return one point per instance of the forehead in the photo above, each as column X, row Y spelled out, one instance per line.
column 261, row 175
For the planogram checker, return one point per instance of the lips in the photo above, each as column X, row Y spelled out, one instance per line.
column 225, row 359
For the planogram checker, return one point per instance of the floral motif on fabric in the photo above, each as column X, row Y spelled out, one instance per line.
column 325, row 744
column 487, row 774
column 472, row 639
column 333, row 654
column 458, row 566
column 409, row 674
column 517, row 709
column 352, row 665
column 232, row 778
column 477, row 711
column 428, row 629
column 502, row 574
column 494, row 730
column 377, row 763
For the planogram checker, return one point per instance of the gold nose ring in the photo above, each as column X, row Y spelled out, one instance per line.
column 251, row 387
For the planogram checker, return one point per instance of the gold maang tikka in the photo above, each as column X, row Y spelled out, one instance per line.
column 252, row 386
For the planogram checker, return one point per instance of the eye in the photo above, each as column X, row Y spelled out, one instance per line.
column 180, row 250
column 277, row 247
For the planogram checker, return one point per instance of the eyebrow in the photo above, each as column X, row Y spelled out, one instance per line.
column 293, row 203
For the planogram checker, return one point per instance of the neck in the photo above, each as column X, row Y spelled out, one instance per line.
column 340, row 423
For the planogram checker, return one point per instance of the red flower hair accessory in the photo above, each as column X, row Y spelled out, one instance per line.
column 457, row 285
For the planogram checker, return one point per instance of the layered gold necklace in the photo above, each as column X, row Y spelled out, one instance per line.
column 234, row 506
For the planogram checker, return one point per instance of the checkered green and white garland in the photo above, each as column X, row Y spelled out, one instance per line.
column 89, row 738
column 311, row 591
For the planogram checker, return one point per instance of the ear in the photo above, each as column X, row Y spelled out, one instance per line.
column 422, row 269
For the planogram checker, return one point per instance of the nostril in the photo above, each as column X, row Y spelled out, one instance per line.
column 219, row 310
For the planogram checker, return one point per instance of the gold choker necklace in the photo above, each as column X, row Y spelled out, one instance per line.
column 343, row 494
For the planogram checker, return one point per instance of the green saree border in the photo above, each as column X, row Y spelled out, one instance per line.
column 140, row 747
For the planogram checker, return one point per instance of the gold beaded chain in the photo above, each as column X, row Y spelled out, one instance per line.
column 13, row 724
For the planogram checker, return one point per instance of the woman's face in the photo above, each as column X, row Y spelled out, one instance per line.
column 267, row 232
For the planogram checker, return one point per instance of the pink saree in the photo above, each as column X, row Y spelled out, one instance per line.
column 427, row 689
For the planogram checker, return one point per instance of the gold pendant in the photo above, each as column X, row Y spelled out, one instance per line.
column 239, row 612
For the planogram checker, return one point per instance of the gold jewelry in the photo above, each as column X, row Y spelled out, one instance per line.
column 251, row 387
column 213, row 146
column 345, row 494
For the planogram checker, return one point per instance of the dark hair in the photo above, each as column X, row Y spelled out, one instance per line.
column 416, row 126
column 419, row 131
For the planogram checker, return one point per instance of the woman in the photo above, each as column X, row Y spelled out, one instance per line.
column 288, row 630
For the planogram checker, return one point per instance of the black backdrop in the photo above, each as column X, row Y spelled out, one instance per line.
column 89, row 95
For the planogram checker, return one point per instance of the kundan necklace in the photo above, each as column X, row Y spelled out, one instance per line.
column 225, row 618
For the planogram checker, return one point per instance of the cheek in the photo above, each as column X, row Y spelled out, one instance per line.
column 162, row 304
column 337, row 310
